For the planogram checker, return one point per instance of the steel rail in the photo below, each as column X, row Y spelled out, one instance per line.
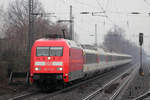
column 57, row 92
column 92, row 95
column 75, row 85
column 141, row 97
column 23, row 96
column 114, row 96
column 45, row 96
column 145, row 95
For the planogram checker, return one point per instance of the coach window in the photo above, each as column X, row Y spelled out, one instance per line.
column 102, row 57
column 42, row 51
column 91, row 58
column 109, row 58
column 56, row 51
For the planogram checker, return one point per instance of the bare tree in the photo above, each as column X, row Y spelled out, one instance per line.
column 17, row 24
column 115, row 41
column 2, row 21
column 16, row 29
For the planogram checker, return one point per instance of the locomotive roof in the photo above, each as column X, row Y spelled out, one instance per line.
column 71, row 43
column 46, row 39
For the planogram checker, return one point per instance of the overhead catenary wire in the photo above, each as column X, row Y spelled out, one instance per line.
column 107, row 3
column 105, row 13
column 85, row 4
column 147, row 2
column 100, row 6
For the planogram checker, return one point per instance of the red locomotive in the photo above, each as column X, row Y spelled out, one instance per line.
column 59, row 61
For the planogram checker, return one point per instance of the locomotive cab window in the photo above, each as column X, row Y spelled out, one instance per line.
column 49, row 51
column 42, row 51
column 56, row 51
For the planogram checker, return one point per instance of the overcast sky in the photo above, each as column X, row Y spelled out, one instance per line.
column 117, row 10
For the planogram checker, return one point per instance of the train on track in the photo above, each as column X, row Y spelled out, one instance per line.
column 59, row 61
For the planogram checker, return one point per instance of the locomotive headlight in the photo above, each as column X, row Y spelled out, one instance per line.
column 37, row 69
column 49, row 58
column 60, row 68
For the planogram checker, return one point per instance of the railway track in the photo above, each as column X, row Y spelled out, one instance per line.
column 65, row 94
column 100, row 92
column 143, row 96
column 132, row 75
column 22, row 96
column 36, row 95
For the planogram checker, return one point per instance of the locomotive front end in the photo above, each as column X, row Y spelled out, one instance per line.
column 49, row 63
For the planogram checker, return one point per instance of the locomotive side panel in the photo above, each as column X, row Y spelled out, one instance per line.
column 75, row 63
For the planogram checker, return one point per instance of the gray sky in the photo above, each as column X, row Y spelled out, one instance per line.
column 84, row 24
column 117, row 10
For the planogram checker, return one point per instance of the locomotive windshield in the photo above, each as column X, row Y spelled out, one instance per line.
column 42, row 51
column 56, row 51
column 49, row 51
